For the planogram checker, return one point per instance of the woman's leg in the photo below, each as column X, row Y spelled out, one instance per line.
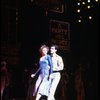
column 38, row 96
column 37, row 85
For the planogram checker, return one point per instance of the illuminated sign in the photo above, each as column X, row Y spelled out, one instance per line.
column 60, row 34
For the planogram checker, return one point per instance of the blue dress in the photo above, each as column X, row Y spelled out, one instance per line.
column 46, row 70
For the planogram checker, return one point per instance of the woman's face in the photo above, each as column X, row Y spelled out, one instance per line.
column 44, row 51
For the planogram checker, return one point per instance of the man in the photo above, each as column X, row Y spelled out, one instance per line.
column 55, row 77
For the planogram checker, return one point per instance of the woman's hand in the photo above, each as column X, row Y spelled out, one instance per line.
column 32, row 75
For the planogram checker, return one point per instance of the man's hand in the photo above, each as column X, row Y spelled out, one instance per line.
column 51, row 76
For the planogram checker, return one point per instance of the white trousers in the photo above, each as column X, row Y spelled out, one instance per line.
column 53, row 86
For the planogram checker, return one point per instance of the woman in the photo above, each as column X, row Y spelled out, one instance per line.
column 42, row 84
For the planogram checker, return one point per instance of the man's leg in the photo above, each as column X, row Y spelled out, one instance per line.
column 53, row 86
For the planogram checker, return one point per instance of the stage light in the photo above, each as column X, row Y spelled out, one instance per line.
column 79, row 20
column 83, row 3
column 88, row 7
column 96, row 0
column 89, row 1
column 90, row 17
column 78, row 10
column 78, row 3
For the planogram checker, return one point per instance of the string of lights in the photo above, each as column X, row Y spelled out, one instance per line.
column 85, row 9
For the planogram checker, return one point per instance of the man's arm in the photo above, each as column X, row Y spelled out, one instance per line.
column 60, row 63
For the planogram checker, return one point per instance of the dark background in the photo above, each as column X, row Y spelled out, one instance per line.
column 31, row 30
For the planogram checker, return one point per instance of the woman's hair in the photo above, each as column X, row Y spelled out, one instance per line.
column 43, row 46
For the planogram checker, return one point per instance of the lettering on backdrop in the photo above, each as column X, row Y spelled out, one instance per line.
column 60, row 34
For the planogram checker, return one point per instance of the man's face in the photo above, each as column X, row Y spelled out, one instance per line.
column 52, row 50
